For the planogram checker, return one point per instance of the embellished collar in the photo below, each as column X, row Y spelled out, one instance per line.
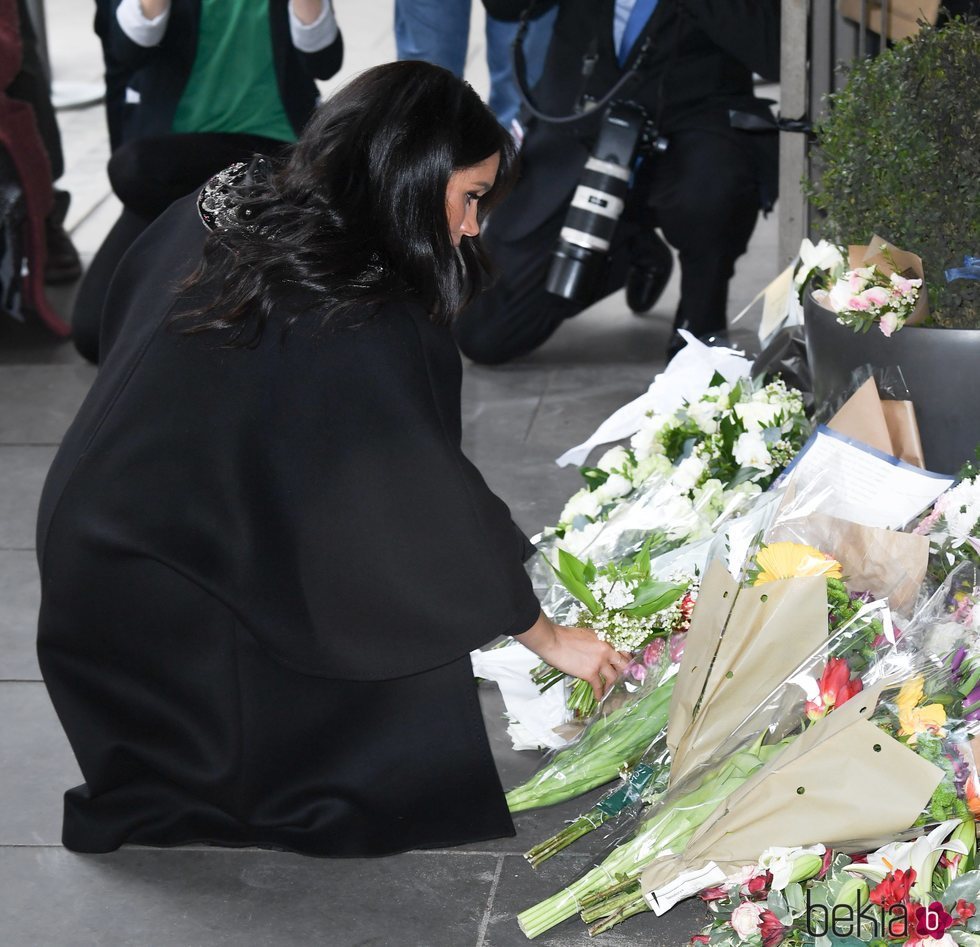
column 219, row 200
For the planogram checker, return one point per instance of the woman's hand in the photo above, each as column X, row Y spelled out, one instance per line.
column 576, row 651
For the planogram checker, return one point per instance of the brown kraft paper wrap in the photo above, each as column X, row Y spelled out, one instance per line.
column 836, row 764
column 888, row 426
column 715, row 600
column 771, row 630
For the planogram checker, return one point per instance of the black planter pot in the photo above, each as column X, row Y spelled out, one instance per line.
column 940, row 366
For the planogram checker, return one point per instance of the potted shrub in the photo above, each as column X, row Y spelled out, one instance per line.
column 899, row 156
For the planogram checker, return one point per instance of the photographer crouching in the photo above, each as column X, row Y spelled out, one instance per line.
column 644, row 119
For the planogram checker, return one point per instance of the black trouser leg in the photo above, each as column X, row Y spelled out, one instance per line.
column 705, row 198
column 86, row 317
column 149, row 174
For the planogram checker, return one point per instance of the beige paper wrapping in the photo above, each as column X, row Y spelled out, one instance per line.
column 715, row 600
column 888, row 426
column 885, row 562
column 861, row 418
column 852, row 791
column 771, row 629
column 904, row 431
column 903, row 15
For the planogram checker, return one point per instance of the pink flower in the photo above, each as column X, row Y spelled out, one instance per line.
column 888, row 323
column 859, row 303
column 676, row 647
column 746, row 919
column 637, row 671
column 858, row 279
column 653, row 652
column 904, row 286
column 877, row 296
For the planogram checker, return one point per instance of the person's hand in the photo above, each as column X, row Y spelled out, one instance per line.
column 576, row 651
column 151, row 9
column 307, row 11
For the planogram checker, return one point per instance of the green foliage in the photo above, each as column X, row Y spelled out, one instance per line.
column 899, row 156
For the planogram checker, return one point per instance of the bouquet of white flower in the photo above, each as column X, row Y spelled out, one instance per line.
column 714, row 454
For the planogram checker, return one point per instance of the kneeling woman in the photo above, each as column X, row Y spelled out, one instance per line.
column 264, row 557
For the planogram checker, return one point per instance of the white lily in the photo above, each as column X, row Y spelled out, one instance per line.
column 920, row 855
column 823, row 256
column 782, row 862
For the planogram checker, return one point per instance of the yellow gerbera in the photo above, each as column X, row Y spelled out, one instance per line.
column 791, row 560
column 913, row 719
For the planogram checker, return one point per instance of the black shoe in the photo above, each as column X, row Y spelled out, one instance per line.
column 645, row 282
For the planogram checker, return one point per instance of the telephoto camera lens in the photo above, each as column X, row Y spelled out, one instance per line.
column 579, row 258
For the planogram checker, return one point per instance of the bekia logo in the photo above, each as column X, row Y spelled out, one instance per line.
column 863, row 918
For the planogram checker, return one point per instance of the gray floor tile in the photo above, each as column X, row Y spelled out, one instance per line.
column 19, row 598
column 31, row 343
column 40, row 401
column 22, row 473
column 181, row 898
column 37, row 767
column 520, row 887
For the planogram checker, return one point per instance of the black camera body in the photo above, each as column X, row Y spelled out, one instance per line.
column 579, row 259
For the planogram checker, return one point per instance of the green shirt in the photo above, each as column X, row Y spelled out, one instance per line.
column 232, row 85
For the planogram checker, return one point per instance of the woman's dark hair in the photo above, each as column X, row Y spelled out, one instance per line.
column 357, row 213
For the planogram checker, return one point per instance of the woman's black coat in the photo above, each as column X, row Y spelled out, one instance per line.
column 262, row 570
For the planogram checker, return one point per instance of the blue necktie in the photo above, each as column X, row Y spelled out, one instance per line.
column 639, row 16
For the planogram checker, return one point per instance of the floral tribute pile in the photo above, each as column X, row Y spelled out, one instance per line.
column 715, row 453
column 682, row 807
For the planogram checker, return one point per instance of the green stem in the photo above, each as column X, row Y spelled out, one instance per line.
column 636, row 905
column 571, row 833
column 607, row 745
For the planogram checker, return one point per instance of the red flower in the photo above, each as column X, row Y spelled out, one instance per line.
column 700, row 939
column 931, row 921
column 836, row 688
column 771, row 929
column 893, row 888
column 759, row 883
column 713, row 894
column 828, row 857
column 965, row 910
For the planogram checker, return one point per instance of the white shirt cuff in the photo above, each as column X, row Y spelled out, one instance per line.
column 312, row 37
column 138, row 28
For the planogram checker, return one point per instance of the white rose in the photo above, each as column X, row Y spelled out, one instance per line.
column 688, row 472
column 703, row 414
column 644, row 442
column 652, row 465
column 756, row 415
column 616, row 485
column 751, row 451
column 583, row 503
column 746, row 919
column 709, row 497
column 614, row 459
column 679, row 518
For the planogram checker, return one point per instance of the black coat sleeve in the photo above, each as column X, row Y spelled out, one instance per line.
column 402, row 557
column 325, row 63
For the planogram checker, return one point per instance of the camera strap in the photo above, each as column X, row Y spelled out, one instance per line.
column 588, row 66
